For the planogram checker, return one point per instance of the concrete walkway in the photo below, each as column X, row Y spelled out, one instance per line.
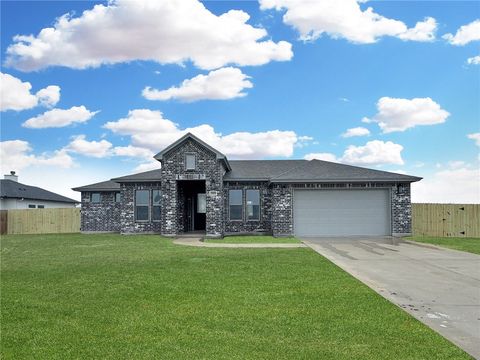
column 199, row 243
column 439, row 287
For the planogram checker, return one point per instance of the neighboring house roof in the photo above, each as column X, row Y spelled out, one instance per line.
column 16, row 190
column 152, row 175
column 101, row 186
column 326, row 171
column 220, row 156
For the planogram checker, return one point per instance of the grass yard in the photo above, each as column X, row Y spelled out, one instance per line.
column 255, row 239
column 141, row 297
column 471, row 245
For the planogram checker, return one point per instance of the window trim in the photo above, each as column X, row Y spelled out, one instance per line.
column 148, row 206
column 259, row 205
column 194, row 160
column 99, row 197
column 153, row 206
column 241, row 204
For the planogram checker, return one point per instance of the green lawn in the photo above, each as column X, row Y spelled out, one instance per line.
column 141, row 297
column 458, row 243
column 255, row 239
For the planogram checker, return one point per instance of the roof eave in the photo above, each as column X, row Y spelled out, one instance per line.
column 344, row 180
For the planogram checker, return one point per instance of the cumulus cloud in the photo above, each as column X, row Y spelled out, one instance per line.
column 17, row 155
column 401, row 114
column 150, row 130
column 375, row 152
column 16, row 95
column 98, row 149
column 133, row 151
column 357, row 131
column 321, row 156
column 454, row 184
column 465, row 34
column 475, row 60
column 345, row 19
column 60, row 117
column 222, row 84
column 475, row 137
column 167, row 32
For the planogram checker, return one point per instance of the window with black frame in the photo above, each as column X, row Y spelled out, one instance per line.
column 235, row 203
column 156, row 205
column 253, row 205
column 141, row 205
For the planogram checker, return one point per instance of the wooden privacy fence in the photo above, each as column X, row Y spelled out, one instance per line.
column 458, row 220
column 43, row 221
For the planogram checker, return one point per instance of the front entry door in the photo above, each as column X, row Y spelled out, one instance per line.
column 190, row 214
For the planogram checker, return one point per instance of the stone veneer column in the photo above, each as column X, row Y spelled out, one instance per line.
column 170, row 214
column 215, row 205
column 401, row 210
column 282, row 210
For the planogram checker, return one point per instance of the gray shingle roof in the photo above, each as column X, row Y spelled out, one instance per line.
column 101, row 186
column 152, row 175
column 325, row 171
column 260, row 169
column 274, row 171
column 13, row 189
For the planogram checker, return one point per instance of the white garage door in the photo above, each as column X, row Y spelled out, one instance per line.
column 341, row 212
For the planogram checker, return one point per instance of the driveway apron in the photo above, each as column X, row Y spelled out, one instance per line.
column 439, row 287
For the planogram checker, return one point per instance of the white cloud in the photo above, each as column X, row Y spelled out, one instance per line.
column 452, row 185
column 375, row 152
column 133, row 151
column 222, row 84
column 60, row 117
column 168, row 32
column 321, row 156
column 16, row 95
column 423, row 31
column 148, row 129
column 357, row 131
column 476, row 137
column 16, row 155
column 345, row 19
column 98, row 149
column 475, row 60
column 464, row 35
column 49, row 96
column 152, row 164
column 401, row 114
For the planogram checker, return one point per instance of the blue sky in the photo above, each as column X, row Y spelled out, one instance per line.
column 275, row 79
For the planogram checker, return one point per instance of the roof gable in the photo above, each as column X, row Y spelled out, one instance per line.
column 16, row 190
column 187, row 136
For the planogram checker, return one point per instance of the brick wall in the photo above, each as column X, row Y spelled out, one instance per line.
column 127, row 215
column 102, row 216
column 249, row 226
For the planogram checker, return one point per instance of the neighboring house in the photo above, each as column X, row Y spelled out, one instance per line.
column 199, row 189
column 14, row 195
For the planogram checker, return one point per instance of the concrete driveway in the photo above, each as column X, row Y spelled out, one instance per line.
column 437, row 286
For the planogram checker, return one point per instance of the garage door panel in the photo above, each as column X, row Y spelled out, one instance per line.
column 341, row 212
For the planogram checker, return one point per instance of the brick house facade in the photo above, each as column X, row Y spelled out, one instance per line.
column 197, row 189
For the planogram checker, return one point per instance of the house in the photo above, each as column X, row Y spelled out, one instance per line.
column 197, row 189
column 14, row 195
